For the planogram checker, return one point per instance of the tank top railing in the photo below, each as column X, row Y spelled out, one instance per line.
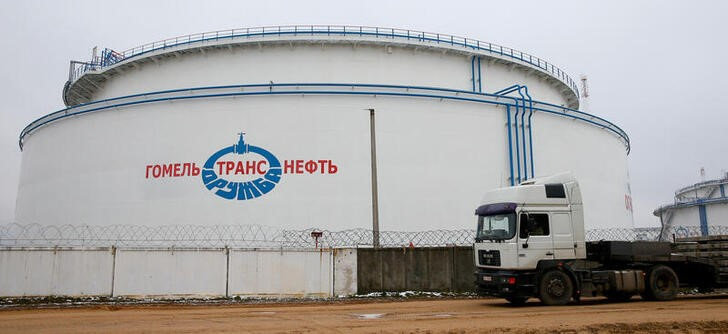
column 326, row 30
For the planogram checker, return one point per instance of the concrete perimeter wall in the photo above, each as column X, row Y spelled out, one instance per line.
column 224, row 272
column 445, row 269
column 56, row 272
column 169, row 272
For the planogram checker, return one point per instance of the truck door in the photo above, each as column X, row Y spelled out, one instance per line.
column 535, row 240
column 563, row 235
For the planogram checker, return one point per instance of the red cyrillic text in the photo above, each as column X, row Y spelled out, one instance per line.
column 309, row 166
column 172, row 170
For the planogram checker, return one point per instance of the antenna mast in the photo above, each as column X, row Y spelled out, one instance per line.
column 584, row 94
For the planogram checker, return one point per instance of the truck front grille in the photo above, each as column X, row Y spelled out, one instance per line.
column 489, row 258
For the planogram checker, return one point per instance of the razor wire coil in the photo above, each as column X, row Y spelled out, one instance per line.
column 258, row 236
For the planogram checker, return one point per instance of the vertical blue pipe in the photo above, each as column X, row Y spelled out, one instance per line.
column 523, row 134
column 515, row 126
column 530, row 130
column 518, row 152
column 472, row 71
column 510, row 144
column 480, row 78
column 703, row 220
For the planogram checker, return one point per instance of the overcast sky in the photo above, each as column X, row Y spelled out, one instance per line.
column 658, row 69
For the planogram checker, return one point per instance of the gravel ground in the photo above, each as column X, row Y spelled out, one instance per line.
column 414, row 314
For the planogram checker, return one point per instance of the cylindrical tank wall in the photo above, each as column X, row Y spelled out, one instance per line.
column 435, row 159
column 435, row 156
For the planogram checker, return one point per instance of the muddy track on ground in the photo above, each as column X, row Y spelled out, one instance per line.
column 685, row 315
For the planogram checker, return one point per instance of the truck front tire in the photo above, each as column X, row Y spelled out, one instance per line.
column 661, row 283
column 555, row 288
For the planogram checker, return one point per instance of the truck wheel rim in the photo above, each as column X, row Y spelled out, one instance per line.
column 663, row 284
column 556, row 287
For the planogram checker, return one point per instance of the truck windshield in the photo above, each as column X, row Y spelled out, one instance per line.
column 496, row 227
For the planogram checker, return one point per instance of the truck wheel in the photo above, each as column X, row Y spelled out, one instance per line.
column 661, row 283
column 517, row 301
column 555, row 288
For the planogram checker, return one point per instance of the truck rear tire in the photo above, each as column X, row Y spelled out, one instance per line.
column 661, row 283
column 555, row 288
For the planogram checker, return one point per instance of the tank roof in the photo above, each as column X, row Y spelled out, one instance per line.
column 86, row 76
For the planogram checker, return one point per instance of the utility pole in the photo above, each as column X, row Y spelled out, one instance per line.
column 375, row 195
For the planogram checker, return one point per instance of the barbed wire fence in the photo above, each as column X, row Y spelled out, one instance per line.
column 257, row 236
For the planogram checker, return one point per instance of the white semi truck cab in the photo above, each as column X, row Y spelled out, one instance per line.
column 530, row 242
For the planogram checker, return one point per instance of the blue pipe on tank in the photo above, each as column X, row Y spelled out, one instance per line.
column 518, row 152
column 504, row 91
column 523, row 134
column 510, row 144
column 472, row 71
column 530, row 129
column 480, row 78
column 521, row 89
column 507, row 90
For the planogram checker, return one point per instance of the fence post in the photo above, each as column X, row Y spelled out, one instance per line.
column 227, row 272
column 113, row 269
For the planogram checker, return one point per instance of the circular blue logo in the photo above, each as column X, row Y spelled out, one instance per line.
column 241, row 190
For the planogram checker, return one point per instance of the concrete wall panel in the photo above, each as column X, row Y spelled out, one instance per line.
column 55, row 272
column 281, row 273
column 170, row 272
column 368, row 270
column 439, row 268
column 345, row 272
column 463, row 269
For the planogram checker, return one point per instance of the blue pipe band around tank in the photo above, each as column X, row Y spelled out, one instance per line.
column 432, row 92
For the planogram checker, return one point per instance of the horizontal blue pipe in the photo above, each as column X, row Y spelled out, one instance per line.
column 507, row 90
column 267, row 85
column 691, row 204
column 66, row 113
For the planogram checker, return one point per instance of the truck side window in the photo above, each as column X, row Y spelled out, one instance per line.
column 534, row 224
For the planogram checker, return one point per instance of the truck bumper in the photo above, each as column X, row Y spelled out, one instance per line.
column 505, row 284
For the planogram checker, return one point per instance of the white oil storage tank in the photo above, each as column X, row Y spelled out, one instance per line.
column 312, row 126
column 699, row 209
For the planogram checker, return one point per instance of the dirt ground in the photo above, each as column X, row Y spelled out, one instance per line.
column 685, row 315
